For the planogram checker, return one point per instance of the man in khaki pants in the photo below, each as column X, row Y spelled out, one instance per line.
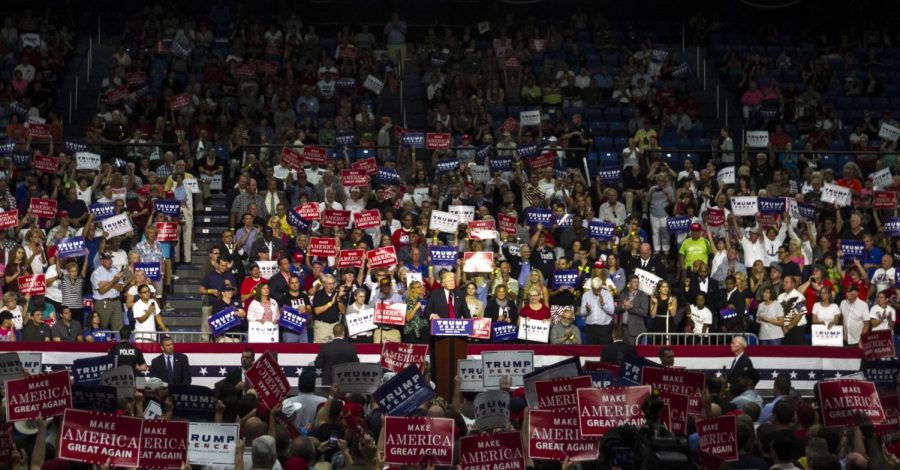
column 386, row 295
column 328, row 307
column 395, row 31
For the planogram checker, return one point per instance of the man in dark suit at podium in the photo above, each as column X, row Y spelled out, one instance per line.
column 338, row 351
column 446, row 302
column 171, row 367
column 741, row 364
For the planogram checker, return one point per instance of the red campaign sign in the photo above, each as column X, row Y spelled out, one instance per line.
column 537, row 45
column 555, row 436
column 367, row 219
column 478, row 228
column 167, row 231
column 44, row 208
column 315, row 155
column 710, row 462
column 9, row 219
column 601, row 409
column 346, row 52
column 885, row 200
column 512, row 63
column 179, row 101
column 350, row 258
column 92, row 437
column 718, row 437
column 33, row 285
column 507, row 223
column 135, row 79
column 390, row 314
column 309, row 211
column 117, row 94
column 244, row 70
column 674, row 412
column 164, row 444
column 419, row 441
column 45, row 394
column 841, row 400
column 478, row 262
column 39, row 131
column 335, row 218
column 267, row 67
column 437, row 141
column 544, row 161
column 680, row 381
column 46, row 164
column 877, row 345
column 509, row 125
column 7, row 442
column 601, row 366
column 322, row 246
column 891, row 415
column 482, row 451
column 560, row 394
column 267, row 378
column 369, row 165
column 291, row 158
column 354, row 178
column 481, row 328
column 396, row 356
column 715, row 217
column 382, row 257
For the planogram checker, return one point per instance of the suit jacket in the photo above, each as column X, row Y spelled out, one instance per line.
column 640, row 309
column 617, row 351
column 278, row 286
column 654, row 265
column 736, row 324
column 337, row 352
column 278, row 249
column 181, row 369
column 237, row 268
column 741, row 366
column 437, row 304
column 712, row 292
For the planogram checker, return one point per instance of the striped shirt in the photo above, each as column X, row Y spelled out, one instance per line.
column 72, row 292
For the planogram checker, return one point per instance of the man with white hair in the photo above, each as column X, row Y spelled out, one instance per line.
column 598, row 307
column 328, row 308
column 741, row 363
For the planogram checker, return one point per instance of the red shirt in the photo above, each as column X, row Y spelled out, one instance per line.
column 542, row 313
column 812, row 297
column 861, row 285
column 247, row 286
column 400, row 238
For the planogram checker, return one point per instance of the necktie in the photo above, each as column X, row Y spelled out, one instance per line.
column 644, row 263
column 171, row 370
column 450, row 311
column 733, row 362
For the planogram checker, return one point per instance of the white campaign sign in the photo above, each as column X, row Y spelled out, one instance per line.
column 726, row 175
column 828, row 337
column 419, row 195
column 514, row 364
column 117, row 225
column 87, row 161
column 838, row 195
column 373, row 84
column 889, row 132
column 758, row 139
column 534, row 330
column 413, row 277
column 882, row 178
column 212, row 443
column 215, row 183
column 258, row 332
column 744, row 205
column 648, row 281
column 480, row 173
column 530, row 118
column 463, row 213
column 192, row 186
column 267, row 269
column 483, row 27
column 443, row 222
column 470, row 376
column 360, row 322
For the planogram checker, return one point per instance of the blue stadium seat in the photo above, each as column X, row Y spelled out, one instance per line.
column 701, row 143
column 603, row 143
column 620, row 142
column 618, row 129
column 609, row 158
column 612, row 114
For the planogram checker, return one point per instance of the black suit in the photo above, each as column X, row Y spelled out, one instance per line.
column 181, row 369
column 742, row 365
column 278, row 287
column 712, row 293
column 334, row 353
column 437, row 304
column 617, row 351
column 735, row 324
column 654, row 265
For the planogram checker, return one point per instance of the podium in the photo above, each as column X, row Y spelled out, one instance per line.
column 449, row 346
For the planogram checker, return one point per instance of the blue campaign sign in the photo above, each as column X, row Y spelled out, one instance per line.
column 610, row 174
column 401, row 395
column 727, row 313
column 807, row 211
column 345, row 83
column 7, row 148
column 534, row 216
column 297, row 222
column 102, row 210
column 224, row 320
column 603, row 231
column 448, row 165
column 94, row 397
column 193, row 402
column 502, row 332
column 882, row 373
column 73, row 146
column 387, row 176
column 71, row 247
column 21, row 159
column 853, row 249
column 344, row 138
column 451, row 327
column 680, row 224
column 563, row 221
column 632, row 368
column 528, row 150
column 501, row 163
column 565, row 278
column 602, row 378
column 413, row 139
column 484, row 151
column 88, row 371
column 293, row 320
column 771, row 205
column 443, row 255
column 152, row 270
column 560, row 172
column 897, row 278
column 169, row 207
column 892, row 226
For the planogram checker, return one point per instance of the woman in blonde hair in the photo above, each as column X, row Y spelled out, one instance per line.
column 536, row 282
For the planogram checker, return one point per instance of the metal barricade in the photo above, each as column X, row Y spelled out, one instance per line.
column 692, row 339
column 187, row 337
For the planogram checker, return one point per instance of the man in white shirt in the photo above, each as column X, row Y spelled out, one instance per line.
column 750, row 244
column 146, row 316
column 598, row 307
column 855, row 314
column 792, row 296
column 883, row 277
column 611, row 210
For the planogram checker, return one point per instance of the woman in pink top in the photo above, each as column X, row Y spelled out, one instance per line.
column 7, row 332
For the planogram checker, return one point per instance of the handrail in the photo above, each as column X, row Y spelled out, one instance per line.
column 693, row 339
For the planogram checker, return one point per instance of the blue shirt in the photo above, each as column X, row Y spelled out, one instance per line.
column 872, row 256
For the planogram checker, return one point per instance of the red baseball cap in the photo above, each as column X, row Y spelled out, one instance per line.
column 695, row 227
column 63, row 213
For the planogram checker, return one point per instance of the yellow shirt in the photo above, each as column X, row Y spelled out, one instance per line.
column 642, row 138
column 694, row 250
column 170, row 182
